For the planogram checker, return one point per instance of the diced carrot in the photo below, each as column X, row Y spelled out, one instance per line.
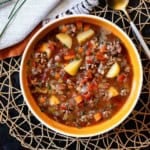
column 86, row 27
column 68, row 57
column 80, row 50
column 79, row 25
column 64, row 29
column 97, row 116
column 57, row 75
column 42, row 100
column 78, row 99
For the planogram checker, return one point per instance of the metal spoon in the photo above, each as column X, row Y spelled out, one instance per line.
column 121, row 5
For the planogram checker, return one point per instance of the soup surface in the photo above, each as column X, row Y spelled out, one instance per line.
column 79, row 74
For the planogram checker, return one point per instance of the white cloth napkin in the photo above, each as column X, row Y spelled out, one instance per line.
column 32, row 13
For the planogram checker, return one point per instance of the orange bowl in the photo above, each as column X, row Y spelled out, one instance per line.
column 96, row 129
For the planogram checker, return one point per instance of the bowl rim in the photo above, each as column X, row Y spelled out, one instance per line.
column 119, row 30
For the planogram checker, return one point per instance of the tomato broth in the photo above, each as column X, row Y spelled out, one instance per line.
column 79, row 74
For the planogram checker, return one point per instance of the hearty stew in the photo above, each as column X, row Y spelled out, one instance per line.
column 80, row 74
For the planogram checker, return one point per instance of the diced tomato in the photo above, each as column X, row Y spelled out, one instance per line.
column 100, row 56
column 34, row 64
column 87, row 96
column 89, row 59
column 92, row 86
column 90, row 45
column 63, row 106
column 121, row 77
column 66, row 76
column 89, row 74
column 51, row 45
column 81, row 105
column 79, row 25
column 88, row 52
column 84, row 80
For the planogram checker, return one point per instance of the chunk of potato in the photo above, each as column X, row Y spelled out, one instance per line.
column 113, row 71
column 64, row 39
column 112, row 92
column 44, row 48
column 72, row 67
column 83, row 36
column 53, row 100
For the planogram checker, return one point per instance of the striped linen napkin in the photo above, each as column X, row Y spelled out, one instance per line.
column 30, row 15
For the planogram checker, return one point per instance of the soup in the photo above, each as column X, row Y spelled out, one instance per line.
column 79, row 74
